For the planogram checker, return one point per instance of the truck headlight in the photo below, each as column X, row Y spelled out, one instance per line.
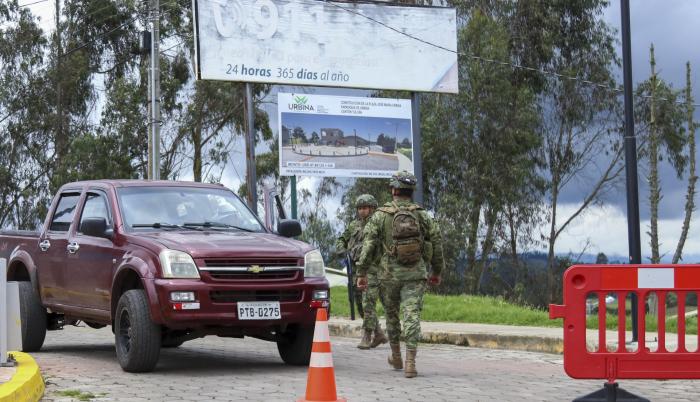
column 313, row 264
column 178, row 265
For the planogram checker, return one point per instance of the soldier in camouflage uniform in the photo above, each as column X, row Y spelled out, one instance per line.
column 410, row 242
column 350, row 242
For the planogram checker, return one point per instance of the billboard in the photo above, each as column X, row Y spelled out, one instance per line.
column 343, row 136
column 322, row 43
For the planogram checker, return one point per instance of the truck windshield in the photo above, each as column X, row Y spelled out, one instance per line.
column 148, row 208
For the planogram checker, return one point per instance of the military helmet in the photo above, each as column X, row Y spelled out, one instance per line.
column 403, row 179
column 366, row 200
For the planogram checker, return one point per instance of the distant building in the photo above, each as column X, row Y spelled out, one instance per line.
column 331, row 136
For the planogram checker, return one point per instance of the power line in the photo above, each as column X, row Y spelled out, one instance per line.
column 32, row 3
column 129, row 21
column 75, row 49
column 493, row 61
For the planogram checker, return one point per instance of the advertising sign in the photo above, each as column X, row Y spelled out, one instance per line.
column 344, row 136
column 323, row 43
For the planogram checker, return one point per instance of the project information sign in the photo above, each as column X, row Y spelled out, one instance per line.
column 342, row 136
column 319, row 43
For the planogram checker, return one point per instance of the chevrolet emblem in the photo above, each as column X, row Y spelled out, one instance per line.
column 256, row 269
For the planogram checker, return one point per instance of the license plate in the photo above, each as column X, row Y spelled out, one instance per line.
column 259, row 311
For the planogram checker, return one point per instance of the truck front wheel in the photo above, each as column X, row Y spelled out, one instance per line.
column 137, row 338
column 33, row 316
column 295, row 348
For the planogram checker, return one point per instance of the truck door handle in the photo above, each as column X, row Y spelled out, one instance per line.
column 73, row 247
column 44, row 245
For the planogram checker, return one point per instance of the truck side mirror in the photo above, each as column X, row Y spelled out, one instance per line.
column 289, row 228
column 96, row 227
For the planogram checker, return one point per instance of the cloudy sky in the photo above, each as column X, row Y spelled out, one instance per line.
column 672, row 26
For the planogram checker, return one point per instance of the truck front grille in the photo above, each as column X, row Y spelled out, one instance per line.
column 234, row 296
column 248, row 276
column 247, row 262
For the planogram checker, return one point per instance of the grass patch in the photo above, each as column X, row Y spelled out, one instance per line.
column 79, row 395
column 495, row 310
column 407, row 152
column 651, row 323
column 463, row 308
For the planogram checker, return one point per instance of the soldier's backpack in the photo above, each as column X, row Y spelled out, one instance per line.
column 406, row 234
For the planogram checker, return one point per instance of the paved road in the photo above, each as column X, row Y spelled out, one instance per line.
column 83, row 359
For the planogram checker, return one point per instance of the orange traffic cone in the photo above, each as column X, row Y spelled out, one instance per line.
column 320, row 385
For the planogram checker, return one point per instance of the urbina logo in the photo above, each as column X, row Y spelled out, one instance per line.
column 300, row 104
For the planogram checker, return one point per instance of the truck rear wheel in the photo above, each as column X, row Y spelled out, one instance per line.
column 33, row 316
column 137, row 338
column 296, row 348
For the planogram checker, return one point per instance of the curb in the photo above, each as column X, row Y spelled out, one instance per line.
column 26, row 384
column 476, row 340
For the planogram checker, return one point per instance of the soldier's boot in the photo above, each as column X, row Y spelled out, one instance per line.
column 379, row 337
column 410, row 371
column 395, row 358
column 366, row 339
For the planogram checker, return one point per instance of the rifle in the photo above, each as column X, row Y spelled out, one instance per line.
column 351, row 285
column 355, row 298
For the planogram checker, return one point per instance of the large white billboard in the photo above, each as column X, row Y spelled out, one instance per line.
column 323, row 43
column 344, row 136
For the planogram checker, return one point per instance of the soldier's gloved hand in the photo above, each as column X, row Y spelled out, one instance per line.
column 362, row 282
column 434, row 280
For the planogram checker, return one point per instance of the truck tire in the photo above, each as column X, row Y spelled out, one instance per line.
column 295, row 350
column 137, row 337
column 33, row 316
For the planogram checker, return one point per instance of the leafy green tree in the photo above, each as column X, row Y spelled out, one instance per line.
column 580, row 123
column 601, row 258
column 479, row 146
column 25, row 144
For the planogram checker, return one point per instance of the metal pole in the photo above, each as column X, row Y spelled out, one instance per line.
column 154, row 137
column 417, row 155
column 294, row 196
column 250, row 149
column 633, row 234
column 3, row 312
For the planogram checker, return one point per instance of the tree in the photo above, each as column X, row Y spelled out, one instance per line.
column 314, row 137
column 601, row 258
column 581, row 123
column 299, row 134
column 479, row 147
column 25, row 144
column 692, row 127
column 663, row 117
column 314, row 217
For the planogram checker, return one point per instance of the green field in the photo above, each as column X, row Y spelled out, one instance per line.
column 465, row 308
column 492, row 310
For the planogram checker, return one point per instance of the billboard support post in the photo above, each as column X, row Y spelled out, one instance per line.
column 251, row 176
column 294, row 196
column 417, row 149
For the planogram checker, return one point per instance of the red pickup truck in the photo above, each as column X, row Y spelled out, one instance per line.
column 163, row 263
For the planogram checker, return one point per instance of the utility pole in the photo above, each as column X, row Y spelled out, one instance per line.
column 60, row 139
column 633, row 235
column 154, row 94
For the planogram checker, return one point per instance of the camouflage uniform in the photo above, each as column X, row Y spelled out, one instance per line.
column 402, row 285
column 351, row 242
